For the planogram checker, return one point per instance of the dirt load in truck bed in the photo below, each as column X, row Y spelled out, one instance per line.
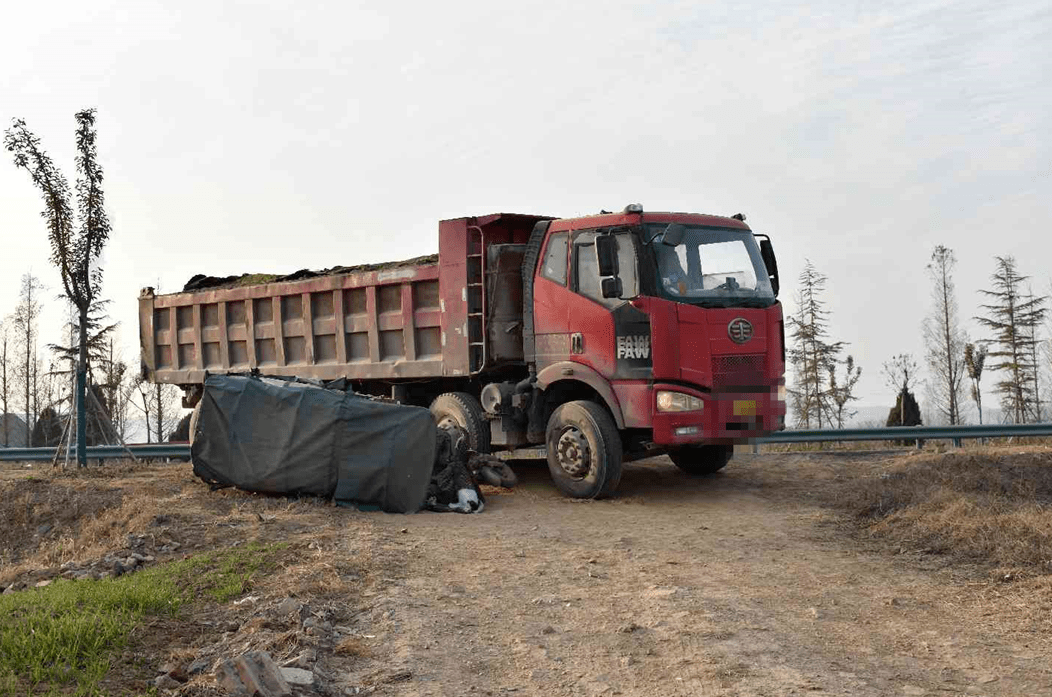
column 203, row 282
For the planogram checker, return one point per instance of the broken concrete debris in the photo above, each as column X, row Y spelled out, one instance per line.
column 297, row 676
column 254, row 674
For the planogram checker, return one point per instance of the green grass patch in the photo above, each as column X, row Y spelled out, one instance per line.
column 62, row 638
column 224, row 575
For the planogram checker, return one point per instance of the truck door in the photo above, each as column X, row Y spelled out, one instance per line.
column 607, row 333
column 551, row 299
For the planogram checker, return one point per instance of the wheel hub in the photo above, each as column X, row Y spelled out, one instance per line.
column 575, row 457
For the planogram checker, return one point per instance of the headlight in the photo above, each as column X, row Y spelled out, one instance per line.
column 677, row 401
column 781, row 393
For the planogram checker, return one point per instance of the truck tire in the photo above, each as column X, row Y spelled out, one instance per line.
column 463, row 410
column 702, row 459
column 584, row 450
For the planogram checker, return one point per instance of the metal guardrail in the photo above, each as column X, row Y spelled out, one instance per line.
column 182, row 450
column 909, row 433
column 95, row 452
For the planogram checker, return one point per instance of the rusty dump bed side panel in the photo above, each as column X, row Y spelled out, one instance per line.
column 360, row 326
column 391, row 323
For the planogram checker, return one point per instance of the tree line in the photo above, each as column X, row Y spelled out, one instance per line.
column 38, row 383
column 1012, row 317
column 80, row 391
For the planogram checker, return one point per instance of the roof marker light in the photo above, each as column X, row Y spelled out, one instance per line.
column 634, row 208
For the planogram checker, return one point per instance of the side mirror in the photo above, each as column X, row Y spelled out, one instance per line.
column 673, row 235
column 767, row 254
column 606, row 256
column 612, row 287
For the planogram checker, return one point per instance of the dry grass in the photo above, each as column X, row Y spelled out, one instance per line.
column 990, row 507
column 52, row 519
column 37, row 515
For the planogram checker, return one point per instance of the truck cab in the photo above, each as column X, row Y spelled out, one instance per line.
column 650, row 333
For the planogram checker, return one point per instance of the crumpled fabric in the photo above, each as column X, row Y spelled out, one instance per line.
column 452, row 487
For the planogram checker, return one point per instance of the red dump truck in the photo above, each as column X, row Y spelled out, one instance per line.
column 604, row 338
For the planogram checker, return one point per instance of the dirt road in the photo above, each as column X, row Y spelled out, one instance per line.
column 752, row 582
column 742, row 584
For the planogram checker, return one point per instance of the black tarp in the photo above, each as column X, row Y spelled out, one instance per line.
column 286, row 437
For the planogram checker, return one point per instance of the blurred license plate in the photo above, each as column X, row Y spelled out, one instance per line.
column 745, row 407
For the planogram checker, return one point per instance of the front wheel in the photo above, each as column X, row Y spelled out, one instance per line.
column 584, row 450
column 702, row 459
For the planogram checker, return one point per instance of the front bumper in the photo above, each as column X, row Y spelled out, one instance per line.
column 727, row 417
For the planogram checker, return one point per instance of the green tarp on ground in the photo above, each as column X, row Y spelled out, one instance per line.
column 285, row 437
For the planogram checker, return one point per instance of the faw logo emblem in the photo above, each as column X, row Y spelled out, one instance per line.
column 633, row 346
column 739, row 330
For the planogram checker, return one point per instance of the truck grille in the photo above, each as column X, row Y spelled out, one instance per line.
column 738, row 370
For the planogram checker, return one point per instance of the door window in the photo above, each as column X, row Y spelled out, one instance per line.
column 554, row 266
column 586, row 268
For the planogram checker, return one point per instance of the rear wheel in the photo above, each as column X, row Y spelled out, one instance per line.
column 584, row 450
column 702, row 459
column 464, row 411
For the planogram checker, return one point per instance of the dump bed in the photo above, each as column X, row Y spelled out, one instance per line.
column 453, row 316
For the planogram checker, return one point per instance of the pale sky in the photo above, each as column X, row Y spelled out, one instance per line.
column 271, row 137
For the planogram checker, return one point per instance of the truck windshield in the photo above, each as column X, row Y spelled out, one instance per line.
column 715, row 267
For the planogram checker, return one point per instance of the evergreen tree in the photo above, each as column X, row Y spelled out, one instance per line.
column 811, row 354
column 1013, row 317
column 99, row 332
column 47, row 432
column 900, row 373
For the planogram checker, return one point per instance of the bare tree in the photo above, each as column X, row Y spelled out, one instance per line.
column 812, row 355
column 842, row 392
column 120, row 387
column 974, row 359
column 43, row 384
column 159, row 403
column 1012, row 317
column 943, row 340
column 1032, row 340
column 77, row 238
column 24, row 322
